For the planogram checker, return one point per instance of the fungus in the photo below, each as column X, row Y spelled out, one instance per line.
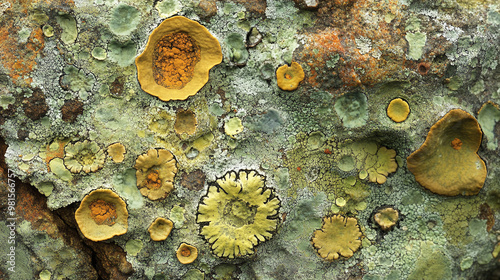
column 178, row 56
column 86, row 156
column 386, row 218
column 398, row 110
column 185, row 122
column 339, row 236
column 289, row 77
column 117, row 152
column 102, row 214
column 160, row 229
column 447, row 163
column 186, row 253
column 155, row 173
column 238, row 213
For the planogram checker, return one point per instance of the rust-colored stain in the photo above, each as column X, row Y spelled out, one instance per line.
column 59, row 153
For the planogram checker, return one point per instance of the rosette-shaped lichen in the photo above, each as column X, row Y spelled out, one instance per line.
column 155, row 173
column 102, row 214
column 237, row 213
column 339, row 236
column 86, row 156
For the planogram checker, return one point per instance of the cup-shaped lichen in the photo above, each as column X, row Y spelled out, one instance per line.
column 386, row 218
column 160, row 229
column 155, row 173
column 102, row 214
column 186, row 253
column 289, row 77
column 447, row 163
column 237, row 213
column 339, row 236
column 178, row 56
column 86, row 156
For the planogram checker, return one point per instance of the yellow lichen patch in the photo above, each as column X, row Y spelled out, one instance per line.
column 117, row 152
column 339, row 236
column 102, row 214
column 178, row 56
column 386, row 218
column 383, row 165
column 155, row 173
column 185, row 122
column 289, row 77
column 160, row 229
column 447, row 163
column 237, row 214
column 186, row 253
column 83, row 156
column 398, row 110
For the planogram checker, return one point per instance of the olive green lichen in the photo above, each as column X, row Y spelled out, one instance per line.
column 237, row 213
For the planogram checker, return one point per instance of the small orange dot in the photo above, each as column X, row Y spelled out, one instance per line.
column 456, row 144
column 298, row 168
column 288, row 76
column 185, row 252
column 327, row 151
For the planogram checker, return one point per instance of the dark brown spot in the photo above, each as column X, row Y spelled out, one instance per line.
column 71, row 109
column 194, row 180
column 35, row 106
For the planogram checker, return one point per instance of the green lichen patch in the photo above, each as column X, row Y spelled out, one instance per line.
column 488, row 117
column 352, row 109
column 431, row 264
column 416, row 42
column 122, row 53
column 236, row 49
column 124, row 19
column 68, row 25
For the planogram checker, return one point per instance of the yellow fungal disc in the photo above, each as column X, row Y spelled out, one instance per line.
column 178, row 57
column 386, row 218
column 102, row 214
column 447, row 163
column 398, row 110
column 339, row 236
column 186, row 253
column 185, row 122
column 117, row 152
column 289, row 77
column 155, row 173
column 160, row 229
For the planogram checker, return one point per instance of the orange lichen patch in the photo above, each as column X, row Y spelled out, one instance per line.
column 155, row 173
column 289, row 77
column 178, row 56
column 174, row 58
column 339, row 236
column 185, row 122
column 186, row 253
column 153, row 181
column 456, row 144
column 442, row 168
column 117, row 152
column 19, row 58
column 398, row 110
column 102, row 214
column 160, row 229
column 367, row 51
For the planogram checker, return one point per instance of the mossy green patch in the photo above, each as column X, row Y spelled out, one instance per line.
column 122, row 53
column 456, row 213
column 352, row 109
column 168, row 8
column 431, row 264
column 124, row 19
column 133, row 247
column 57, row 167
column 488, row 116
column 68, row 25
column 236, row 49
column 416, row 42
